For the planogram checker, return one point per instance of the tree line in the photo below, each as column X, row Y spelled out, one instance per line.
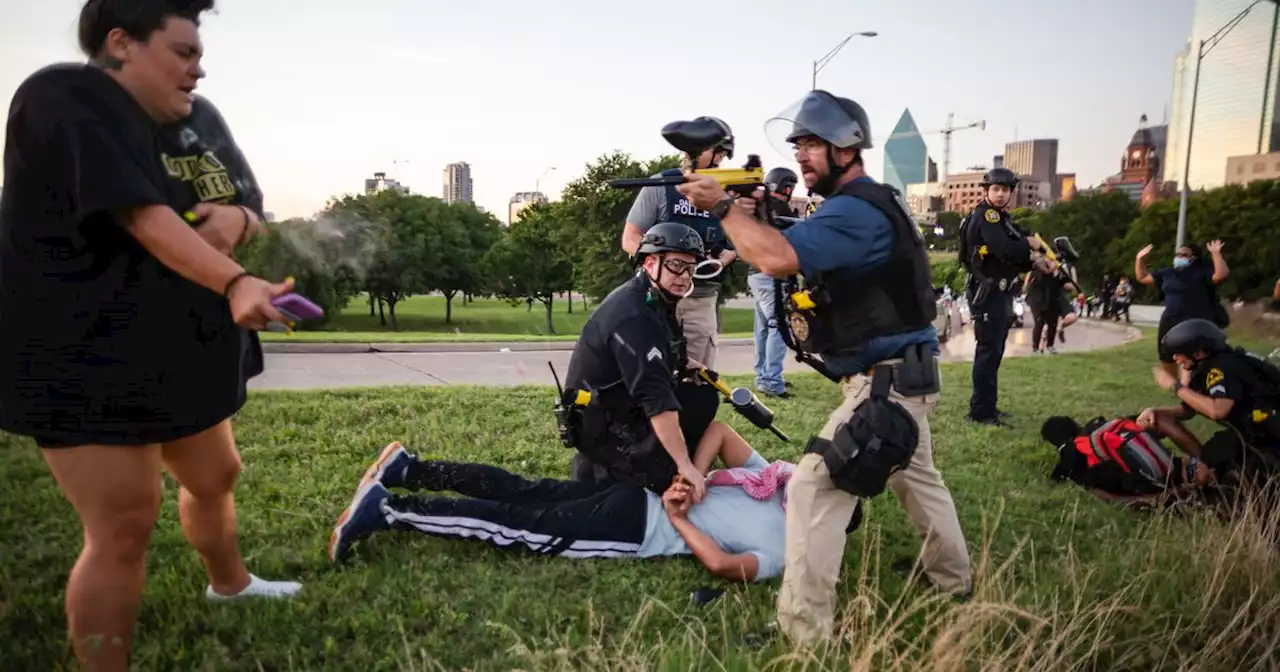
column 1108, row 229
column 390, row 246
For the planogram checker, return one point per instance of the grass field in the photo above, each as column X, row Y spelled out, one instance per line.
column 1063, row 580
column 421, row 319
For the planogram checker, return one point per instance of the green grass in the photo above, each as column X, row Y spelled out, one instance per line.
column 422, row 319
column 1063, row 580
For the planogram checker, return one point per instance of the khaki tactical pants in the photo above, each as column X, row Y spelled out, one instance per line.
column 698, row 320
column 817, row 514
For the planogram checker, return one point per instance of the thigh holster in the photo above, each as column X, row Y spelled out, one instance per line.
column 879, row 439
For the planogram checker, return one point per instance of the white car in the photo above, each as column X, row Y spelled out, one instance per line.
column 945, row 304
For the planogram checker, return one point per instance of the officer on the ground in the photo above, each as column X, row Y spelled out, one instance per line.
column 867, row 321
column 643, row 423
column 1230, row 386
column 770, row 349
column 995, row 252
column 697, row 313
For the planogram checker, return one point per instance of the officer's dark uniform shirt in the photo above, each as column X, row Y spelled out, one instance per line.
column 627, row 341
column 1228, row 376
column 851, row 237
column 1007, row 254
column 99, row 341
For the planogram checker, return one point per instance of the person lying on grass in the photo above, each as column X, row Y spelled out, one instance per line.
column 1120, row 461
column 737, row 531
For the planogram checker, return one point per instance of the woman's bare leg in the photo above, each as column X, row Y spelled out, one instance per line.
column 116, row 492
column 207, row 466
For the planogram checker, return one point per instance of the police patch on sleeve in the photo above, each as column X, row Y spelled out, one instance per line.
column 992, row 216
column 1215, row 376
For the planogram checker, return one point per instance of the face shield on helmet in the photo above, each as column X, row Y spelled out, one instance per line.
column 818, row 114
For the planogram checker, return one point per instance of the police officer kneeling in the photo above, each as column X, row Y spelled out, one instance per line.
column 995, row 252
column 642, row 420
column 870, row 326
column 1237, row 389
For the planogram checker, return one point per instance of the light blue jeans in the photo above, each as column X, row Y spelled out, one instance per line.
column 770, row 350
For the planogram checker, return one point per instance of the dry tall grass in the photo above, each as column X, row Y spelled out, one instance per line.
column 1195, row 592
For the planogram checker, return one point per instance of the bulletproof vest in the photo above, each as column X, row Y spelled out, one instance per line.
column 896, row 297
column 986, row 266
column 680, row 209
column 1261, row 381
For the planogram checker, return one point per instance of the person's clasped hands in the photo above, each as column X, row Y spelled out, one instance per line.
column 678, row 498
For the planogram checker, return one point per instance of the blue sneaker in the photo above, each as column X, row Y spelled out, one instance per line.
column 390, row 467
column 360, row 519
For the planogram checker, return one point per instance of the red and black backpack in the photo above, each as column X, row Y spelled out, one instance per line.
column 1125, row 443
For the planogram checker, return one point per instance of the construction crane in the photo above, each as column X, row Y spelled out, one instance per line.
column 946, row 132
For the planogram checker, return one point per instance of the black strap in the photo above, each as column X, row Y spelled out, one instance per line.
column 817, row 446
column 881, row 381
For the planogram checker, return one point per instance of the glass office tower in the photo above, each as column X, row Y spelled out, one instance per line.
column 905, row 155
column 1236, row 111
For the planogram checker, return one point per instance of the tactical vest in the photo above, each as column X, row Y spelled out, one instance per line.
column 895, row 298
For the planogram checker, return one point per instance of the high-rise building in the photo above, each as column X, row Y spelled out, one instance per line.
column 1236, row 108
column 520, row 201
column 380, row 182
column 457, row 183
column 1036, row 160
column 906, row 157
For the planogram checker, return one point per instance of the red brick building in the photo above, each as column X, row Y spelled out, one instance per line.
column 1142, row 166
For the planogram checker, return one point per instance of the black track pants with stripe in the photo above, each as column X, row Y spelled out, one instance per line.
column 566, row 518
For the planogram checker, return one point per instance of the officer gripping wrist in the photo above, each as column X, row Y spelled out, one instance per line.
column 995, row 252
column 644, row 417
column 864, row 318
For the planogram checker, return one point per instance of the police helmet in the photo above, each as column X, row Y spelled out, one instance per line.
column 838, row 121
column 1002, row 176
column 670, row 237
column 780, row 178
column 1192, row 336
column 725, row 145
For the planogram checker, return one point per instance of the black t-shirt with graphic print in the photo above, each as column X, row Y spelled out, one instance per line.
column 100, row 342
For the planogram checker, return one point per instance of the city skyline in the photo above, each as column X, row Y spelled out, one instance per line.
column 319, row 100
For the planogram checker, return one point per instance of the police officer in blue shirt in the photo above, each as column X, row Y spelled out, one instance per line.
column 697, row 312
column 866, row 321
column 995, row 252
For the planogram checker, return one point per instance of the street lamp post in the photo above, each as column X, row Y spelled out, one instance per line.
column 822, row 62
column 1206, row 45
column 537, row 184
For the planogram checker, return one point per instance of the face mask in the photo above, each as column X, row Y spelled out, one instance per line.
column 1181, row 262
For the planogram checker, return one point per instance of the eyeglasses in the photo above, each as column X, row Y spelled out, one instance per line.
column 678, row 267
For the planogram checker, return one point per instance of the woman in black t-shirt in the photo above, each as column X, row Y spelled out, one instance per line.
column 1189, row 290
column 122, row 341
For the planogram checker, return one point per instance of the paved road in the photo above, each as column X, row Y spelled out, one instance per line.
column 487, row 364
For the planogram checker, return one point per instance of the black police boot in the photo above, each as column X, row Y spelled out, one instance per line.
column 996, row 421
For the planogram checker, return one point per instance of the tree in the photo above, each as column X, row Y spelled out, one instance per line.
column 526, row 264
column 313, row 254
column 599, row 212
column 403, row 232
column 1242, row 216
column 1092, row 222
column 464, row 235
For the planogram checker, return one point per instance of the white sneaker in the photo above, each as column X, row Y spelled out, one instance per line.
column 259, row 588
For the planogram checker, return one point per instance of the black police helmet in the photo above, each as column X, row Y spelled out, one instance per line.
column 725, row 145
column 839, row 121
column 1002, row 176
column 1192, row 336
column 670, row 237
column 780, row 178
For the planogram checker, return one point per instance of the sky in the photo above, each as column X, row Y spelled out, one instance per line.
column 321, row 94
